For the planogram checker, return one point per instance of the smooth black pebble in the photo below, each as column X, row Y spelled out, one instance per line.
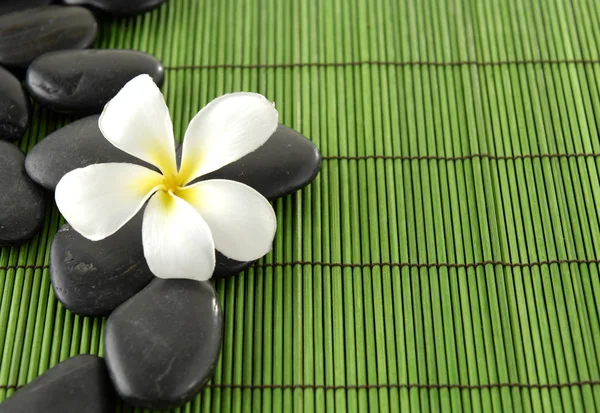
column 162, row 346
column 118, row 7
column 76, row 145
column 286, row 163
column 26, row 35
column 81, row 82
column 93, row 278
column 14, row 107
column 23, row 202
column 8, row 6
column 78, row 384
column 225, row 266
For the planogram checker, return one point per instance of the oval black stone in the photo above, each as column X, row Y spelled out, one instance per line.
column 119, row 7
column 14, row 107
column 76, row 145
column 8, row 6
column 26, row 35
column 81, row 82
column 286, row 163
column 78, row 384
column 23, row 202
column 93, row 278
column 225, row 266
column 162, row 346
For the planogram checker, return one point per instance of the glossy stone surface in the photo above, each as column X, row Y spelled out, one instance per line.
column 224, row 266
column 81, row 82
column 14, row 107
column 76, row 145
column 93, row 278
column 78, row 384
column 23, row 202
column 162, row 345
column 285, row 163
column 118, row 7
column 26, row 35
column 9, row 6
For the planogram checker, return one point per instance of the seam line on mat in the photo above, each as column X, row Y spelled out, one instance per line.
column 382, row 63
column 462, row 157
column 379, row 264
column 384, row 386
column 24, row 267
column 402, row 386
column 427, row 265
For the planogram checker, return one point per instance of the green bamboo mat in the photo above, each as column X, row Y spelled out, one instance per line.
column 445, row 259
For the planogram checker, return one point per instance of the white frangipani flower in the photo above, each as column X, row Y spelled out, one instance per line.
column 183, row 223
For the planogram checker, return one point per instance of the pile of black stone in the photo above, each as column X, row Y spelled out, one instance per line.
column 163, row 337
column 46, row 45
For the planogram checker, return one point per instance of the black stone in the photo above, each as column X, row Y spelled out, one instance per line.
column 93, row 278
column 26, row 35
column 118, row 7
column 8, row 6
column 78, row 384
column 77, row 145
column 23, row 202
column 81, row 82
column 14, row 107
column 285, row 163
column 224, row 266
column 162, row 346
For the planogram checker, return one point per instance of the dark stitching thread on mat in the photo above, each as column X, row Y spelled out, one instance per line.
column 383, row 386
column 401, row 386
column 426, row 265
column 24, row 267
column 382, row 63
column 463, row 157
column 382, row 264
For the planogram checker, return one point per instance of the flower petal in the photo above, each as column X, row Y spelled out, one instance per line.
column 137, row 121
column 224, row 131
column 241, row 220
column 99, row 199
column 177, row 241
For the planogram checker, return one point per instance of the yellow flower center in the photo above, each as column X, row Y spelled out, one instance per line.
column 172, row 184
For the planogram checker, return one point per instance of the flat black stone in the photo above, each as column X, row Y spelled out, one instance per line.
column 93, row 278
column 14, row 107
column 8, row 6
column 225, row 266
column 286, row 163
column 79, row 384
column 26, row 35
column 23, row 202
column 119, row 7
column 162, row 346
column 81, row 82
column 77, row 145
